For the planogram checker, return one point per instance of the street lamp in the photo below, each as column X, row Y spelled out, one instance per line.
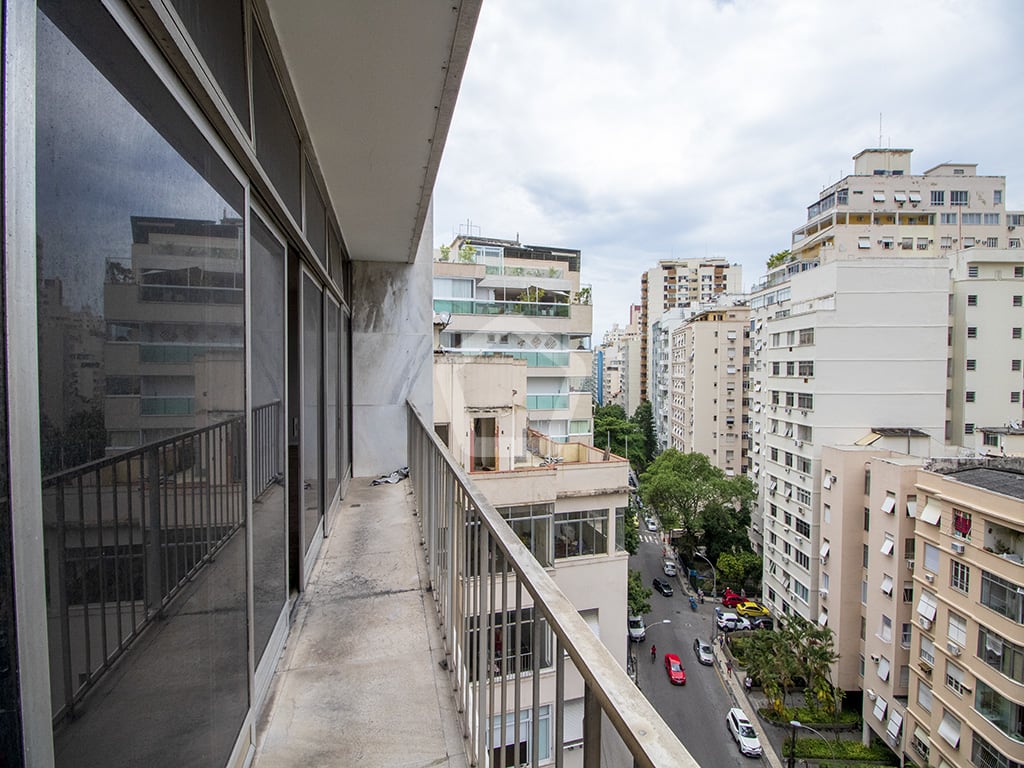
column 714, row 575
column 794, row 724
column 636, row 669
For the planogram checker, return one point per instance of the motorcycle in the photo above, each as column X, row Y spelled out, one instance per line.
column 693, row 602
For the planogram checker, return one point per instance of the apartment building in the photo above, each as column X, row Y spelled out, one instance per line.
column 986, row 343
column 965, row 701
column 707, row 380
column 678, row 283
column 502, row 297
column 622, row 368
column 838, row 351
column 222, row 212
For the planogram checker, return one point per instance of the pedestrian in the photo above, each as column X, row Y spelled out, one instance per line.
column 654, row 653
column 721, row 641
column 747, row 683
column 728, row 666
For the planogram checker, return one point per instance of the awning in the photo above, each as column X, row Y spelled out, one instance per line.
column 823, row 617
column 949, row 729
column 824, row 549
column 927, row 606
column 889, row 504
column 868, row 439
column 880, row 705
column 911, row 507
column 887, row 546
column 883, row 668
column 922, row 735
column 932, row 512
column 887, row 584
column 895, row 723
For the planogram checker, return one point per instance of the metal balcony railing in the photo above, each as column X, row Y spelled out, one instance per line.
column 124, row 535
column 500, row 611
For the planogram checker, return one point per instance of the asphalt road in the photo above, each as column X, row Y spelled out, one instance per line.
column 695, row 711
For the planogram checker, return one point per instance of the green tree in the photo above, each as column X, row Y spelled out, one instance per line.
column 467, row 253
column 731, row 571
column 643, row 419
column 631, row 536
column 446, row 252
column 613, row 430
column 777, row 259
column 637, row 595
column 692, row 495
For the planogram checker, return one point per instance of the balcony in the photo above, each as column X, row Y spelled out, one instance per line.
column 422, row 582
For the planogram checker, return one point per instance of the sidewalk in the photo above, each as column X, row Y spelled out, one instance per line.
column 749, row 702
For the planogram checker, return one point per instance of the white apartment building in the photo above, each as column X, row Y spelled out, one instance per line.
column 565, row 501
column 501, row 297
column 838, row 351
column 622, row 367
column 986, row 342
column 679, row 283
column 709, row 354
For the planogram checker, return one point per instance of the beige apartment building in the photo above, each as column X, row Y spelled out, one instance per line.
column 708, row 401
column 966, row 695
column 679, row 283
column 500, row 297
column 565, row 501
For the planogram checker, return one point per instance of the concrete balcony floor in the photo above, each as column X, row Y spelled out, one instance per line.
column 359, row 682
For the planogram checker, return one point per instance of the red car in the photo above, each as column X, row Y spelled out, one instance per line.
column 674, row 667
column 731, row 599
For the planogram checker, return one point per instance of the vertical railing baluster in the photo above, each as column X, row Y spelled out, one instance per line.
column 559, row 703
column 102, row 569
column 591, row 729
column 504, row 659
column 86, row 633
column 535, row 658
column 153, row 544
column 119, row 561
column 517, row 713
column 138, row 559
column 62, row 596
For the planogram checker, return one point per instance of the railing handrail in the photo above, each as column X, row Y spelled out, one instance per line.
column 648, row 738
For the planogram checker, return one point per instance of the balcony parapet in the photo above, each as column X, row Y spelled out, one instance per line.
column 479, row 571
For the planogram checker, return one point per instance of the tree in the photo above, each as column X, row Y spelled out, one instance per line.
column 631, row 536
column 467, row 253
column 691, row 494
column 446, row 252
column 614, row 430
column 643, row 419
column 638, row 596
column 777, row 259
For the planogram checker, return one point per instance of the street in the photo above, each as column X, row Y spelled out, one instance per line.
column 695, row 711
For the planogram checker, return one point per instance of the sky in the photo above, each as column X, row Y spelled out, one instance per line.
column 639, row 131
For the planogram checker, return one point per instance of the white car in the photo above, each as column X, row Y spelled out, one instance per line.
column 728, row 621
column 669, row 567
column 743, row 732
column 651, row 525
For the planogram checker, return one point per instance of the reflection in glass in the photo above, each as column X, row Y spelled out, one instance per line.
column 142, row 357
column 268, row 507
column 332, row 422
column 312, row 423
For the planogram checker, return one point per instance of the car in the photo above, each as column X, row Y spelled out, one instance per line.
column 762, row 622
column 663, row 586
column 637, row 631
column 750, row 609
column 674, row 668
column 652, row 525
column 731, row 599
column 703, row 650
column 669, row 567
column 728, row 621
column 743, row 732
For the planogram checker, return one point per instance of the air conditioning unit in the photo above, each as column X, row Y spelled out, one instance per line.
column 929, row 577
column 910, row 565
column 871, row 694
column 876, row 658
column 925, row 624
column 953, row 648
column 823, row 593
column 957, row 547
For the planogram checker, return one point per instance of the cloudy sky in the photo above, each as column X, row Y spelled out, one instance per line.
column 638, row 131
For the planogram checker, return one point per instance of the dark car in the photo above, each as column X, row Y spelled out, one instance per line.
column 762, row 622
column 663, row 586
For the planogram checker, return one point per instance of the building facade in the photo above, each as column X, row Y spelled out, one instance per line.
column 502, row 297
column 217, row 311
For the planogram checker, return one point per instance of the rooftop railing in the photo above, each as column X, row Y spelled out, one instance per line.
column 500, row 612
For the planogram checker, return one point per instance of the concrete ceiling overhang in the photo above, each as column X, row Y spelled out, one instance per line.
column 376, row 82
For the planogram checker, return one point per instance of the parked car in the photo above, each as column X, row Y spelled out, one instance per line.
column 652, row 524
column 762, row 622
column 744, row 733
column 750, row 609
column 728, row 621
column 674, row 668
column 669, row 567
column 704, row 653
column 635, row 624
column 731, row 599
column 663, row 586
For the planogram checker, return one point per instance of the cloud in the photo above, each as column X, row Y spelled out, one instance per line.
column 639, row 132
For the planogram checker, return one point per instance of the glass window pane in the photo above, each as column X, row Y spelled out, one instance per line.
column 142, row 281
column 268, row 508
column 277, row 141
column 312, row 423
column 316, row 218
column 332, row 421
